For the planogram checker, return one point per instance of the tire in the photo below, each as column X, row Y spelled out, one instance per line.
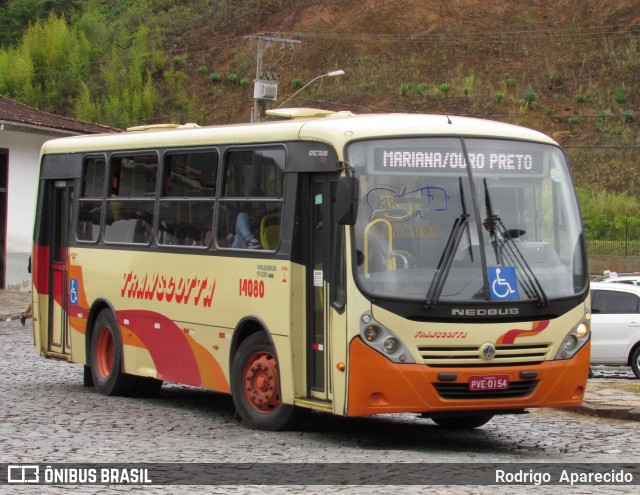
column 635, row 361
column 105, row 356
column 462, row 422
column 255, row 386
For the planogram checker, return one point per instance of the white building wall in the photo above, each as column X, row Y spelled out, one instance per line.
column 22, row 187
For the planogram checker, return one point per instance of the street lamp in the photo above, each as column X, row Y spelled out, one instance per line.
column 328, row 74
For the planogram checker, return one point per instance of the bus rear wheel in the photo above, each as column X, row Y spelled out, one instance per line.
column 105, row 356
column 255, row 386
column 462, row 422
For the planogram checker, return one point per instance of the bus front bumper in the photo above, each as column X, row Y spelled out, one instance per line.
column 377, row 385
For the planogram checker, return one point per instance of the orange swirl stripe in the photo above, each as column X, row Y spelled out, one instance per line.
column 512, row 335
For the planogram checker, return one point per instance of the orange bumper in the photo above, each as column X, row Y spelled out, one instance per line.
column 376, row 385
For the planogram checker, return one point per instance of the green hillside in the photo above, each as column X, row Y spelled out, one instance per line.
column 569, row 68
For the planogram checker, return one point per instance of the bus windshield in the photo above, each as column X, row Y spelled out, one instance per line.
column 466, row 220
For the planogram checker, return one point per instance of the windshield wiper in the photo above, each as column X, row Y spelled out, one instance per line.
column 503, row 244
column 460, row 225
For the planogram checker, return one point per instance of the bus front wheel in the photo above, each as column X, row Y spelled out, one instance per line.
column 106, row 357
column 255, row 386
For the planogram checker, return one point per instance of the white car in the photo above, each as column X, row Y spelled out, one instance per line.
column 615, row 325
column 624, row 278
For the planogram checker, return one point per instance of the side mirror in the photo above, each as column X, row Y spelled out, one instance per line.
column 347, row 200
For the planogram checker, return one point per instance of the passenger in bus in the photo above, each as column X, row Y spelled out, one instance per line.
column 143, row 231
column 247, row 224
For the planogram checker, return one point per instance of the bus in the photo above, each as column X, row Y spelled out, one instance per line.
column 320, row 261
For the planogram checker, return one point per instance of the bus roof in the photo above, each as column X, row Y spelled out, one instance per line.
column 337, row 128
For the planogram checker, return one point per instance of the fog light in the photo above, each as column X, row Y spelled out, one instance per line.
column 371, row 333
column 390, row 345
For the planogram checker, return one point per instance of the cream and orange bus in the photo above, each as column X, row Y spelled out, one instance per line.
column 350, row 264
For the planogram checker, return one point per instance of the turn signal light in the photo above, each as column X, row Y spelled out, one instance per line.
column 371, row 333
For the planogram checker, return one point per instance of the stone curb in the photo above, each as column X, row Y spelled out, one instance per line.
column 609, row 411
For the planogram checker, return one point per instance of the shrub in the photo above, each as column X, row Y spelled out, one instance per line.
column 468, row 85
column 233, row 78
column 420, row 89
column 574, row 119
column 601, row 123
column 620, row 94
column 548, row 111
column 215, row 77
column 628, row 115
column 296, row 82
column 530, row 97
column 580, row 98
column 404, row 88
column 498, row 95
column 443, row 88
column 203, row 69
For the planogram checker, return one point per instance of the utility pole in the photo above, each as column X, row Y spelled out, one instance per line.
column 265, row 90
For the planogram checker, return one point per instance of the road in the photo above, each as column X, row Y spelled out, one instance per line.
column 47, row 416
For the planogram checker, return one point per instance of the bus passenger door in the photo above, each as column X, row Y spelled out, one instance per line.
column 318, row 307
column 59, row 195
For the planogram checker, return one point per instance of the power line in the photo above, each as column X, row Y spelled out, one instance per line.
column 575, row 36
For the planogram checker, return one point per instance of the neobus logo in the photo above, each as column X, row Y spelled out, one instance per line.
column 486, row 312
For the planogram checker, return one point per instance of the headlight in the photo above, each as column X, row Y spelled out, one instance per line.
column 383, row 340
column 570, row 342
column 574, row 340
column 390, row 345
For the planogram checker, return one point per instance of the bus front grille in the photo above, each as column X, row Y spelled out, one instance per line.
column 461, row 391
column 461, row 356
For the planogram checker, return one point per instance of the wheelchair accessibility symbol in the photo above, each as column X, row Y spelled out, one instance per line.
column 73, row 291
column 503, row 283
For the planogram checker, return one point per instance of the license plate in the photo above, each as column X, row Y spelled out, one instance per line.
column 488, row 382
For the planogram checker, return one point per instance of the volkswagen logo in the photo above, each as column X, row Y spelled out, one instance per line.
column 488, row 351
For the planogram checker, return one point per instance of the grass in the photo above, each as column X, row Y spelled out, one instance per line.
column 634, row 388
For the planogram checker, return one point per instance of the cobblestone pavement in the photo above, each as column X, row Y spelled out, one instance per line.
column 47, row 416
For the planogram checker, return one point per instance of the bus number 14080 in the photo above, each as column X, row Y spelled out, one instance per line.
column 251, row 288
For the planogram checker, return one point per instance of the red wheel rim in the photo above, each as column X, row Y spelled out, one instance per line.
column 105, row 352
column 260, row 379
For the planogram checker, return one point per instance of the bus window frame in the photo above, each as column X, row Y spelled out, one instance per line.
column 222, row 199
column 81, row 198
column 212, row 200
column 110, row 198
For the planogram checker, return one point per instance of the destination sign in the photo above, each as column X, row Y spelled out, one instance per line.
column 492, row 162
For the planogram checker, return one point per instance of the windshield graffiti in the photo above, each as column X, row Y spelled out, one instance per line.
column 383, row 201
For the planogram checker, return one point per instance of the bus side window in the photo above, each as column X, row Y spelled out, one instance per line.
column 130, row 207
column 188, row 197
column 252, row 201
column 90, row 203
